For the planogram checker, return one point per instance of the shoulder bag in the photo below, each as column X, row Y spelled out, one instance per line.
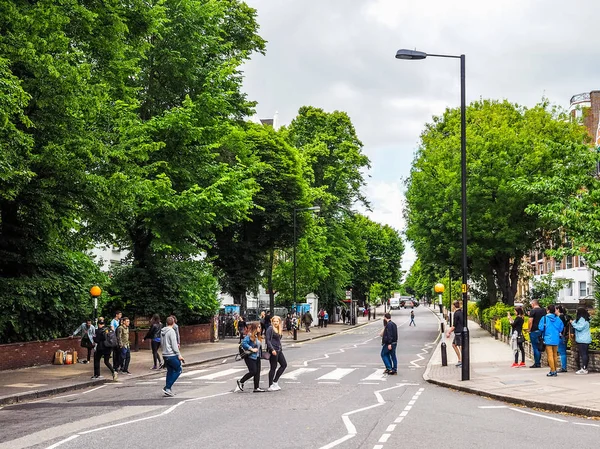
column 540, row 343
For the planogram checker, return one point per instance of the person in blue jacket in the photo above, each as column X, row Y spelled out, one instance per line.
column 252, row 342
column 583, row 337
column 551, row 326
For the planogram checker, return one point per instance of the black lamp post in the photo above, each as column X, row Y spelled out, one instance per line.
column 314, row 209
column 413, row 54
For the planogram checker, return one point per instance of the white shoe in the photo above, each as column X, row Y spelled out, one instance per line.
column 276, row 385
column 272, row 388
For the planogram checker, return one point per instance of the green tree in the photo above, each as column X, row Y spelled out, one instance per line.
column 506, row 143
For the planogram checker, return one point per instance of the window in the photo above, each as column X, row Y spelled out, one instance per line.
column 569, row 263
column 541, row 267
column 569, row 289
column 582, row 289
column 548, row 267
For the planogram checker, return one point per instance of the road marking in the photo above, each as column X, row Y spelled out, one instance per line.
column 538, row 415
column 398, row 419
column 93, row 389
column 66, row 396
column 330, row 382
column 378, row 374
column 150, row 382
column 586, row 424
column 493, row 406
column 384, row 438
column 403, row 413
column 391, row 428
column 368, row 383
column 215, row 382
column 337, row 374
column 25, row 385
column 192, row 373
column 72, row 437
column 294, row 374
column 184, row 382
column 358, row 366
column 378, row 446
column 288, row 382
column 227, row 372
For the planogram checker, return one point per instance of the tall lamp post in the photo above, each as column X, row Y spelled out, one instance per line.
column 95, row 291
column 413, row 54
column 314, row 209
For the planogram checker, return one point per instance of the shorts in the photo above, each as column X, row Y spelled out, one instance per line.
column 457, row 340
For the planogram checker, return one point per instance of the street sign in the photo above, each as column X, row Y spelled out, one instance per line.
column 348, row 294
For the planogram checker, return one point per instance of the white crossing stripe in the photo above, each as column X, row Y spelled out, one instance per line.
column 192, row 373
column 337, row 374
column 227, row 372
column 293, row 375
column 377, row 375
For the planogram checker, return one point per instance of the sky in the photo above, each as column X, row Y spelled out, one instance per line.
column 340, row 55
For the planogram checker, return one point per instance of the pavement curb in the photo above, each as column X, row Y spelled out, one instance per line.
column 547, row 406
column 37, row 394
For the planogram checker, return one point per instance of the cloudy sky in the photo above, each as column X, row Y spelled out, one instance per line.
column 339, row 55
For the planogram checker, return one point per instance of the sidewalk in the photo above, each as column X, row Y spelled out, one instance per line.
column 492, row 376
column 46, row 380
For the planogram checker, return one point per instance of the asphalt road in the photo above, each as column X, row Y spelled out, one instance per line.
column 333, row 395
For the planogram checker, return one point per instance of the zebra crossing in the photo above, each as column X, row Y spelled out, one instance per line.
column 325, row 374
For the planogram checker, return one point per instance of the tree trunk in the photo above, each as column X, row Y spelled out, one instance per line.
column 270, row 282
column 492, row 291
column 141, row 239
column 14, row 260
column 506, row 275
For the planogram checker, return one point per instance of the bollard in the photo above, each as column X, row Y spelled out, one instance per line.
column 443, row 348
column 295, row 333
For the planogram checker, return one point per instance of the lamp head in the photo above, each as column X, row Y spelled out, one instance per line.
column 410, row 54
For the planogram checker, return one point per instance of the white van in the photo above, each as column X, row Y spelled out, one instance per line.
column 394, row 303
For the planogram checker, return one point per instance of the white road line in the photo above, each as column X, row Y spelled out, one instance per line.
column 290, row 382
column 66, row 396
column 358, row 366
column 538, row 415
column 398, row 419
column 296, row 373
column 384, row 438
column 411, row 402
column 493, row 406
column 192, row 373
column 391, row 428
column 378, row 446
column 184, row 382
column 377, row 375
column 227, row 372
column 402, row 414
column 337, row 374
column 368, row 383
column 72, row 437
column 329, row 382
column 215, row 382
column 407, row 408
column 586, row 424
column 150, row 382
column 93, row 389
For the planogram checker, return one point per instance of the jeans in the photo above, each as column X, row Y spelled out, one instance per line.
column 552, row 353
column 173, row 365
column 273, row 360
column 125, row 359
column 99, row 355
column 389, row 357
column 117, row 358
column 562, row 351
column 253, row 371
column 583, row 354
column 537, row 355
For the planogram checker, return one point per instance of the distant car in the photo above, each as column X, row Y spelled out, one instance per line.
column 394, row 303
column 409, row 304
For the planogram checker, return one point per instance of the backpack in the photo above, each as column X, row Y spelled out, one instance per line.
column 110, row 339
column 243, row 353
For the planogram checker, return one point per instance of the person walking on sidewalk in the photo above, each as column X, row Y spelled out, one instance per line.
column 564, row 337
column 87, row 331
column 102, row 351
column 288, row 325
column 458, row 325
column 124, row 346
column 535, row 315
column 583, row 338
column 389, row 341
column 252, row 342
column 241, row 327
column 344, row 315
column 412, row 319
column 308, row 319
column 171, row 356
column 273, row 337
column 176, row 329
column 516, row 336
column 114, row 324
column 551, row 326
column 154, row 335
column 325, row 318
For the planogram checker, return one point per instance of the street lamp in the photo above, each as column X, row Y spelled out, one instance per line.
column 95, row 291
column 413, row 54
column 316, row 209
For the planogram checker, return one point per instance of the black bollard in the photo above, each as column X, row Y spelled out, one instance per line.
column 444, row 354
column 295, row 334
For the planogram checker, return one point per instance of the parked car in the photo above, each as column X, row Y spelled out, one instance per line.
column 409, row 303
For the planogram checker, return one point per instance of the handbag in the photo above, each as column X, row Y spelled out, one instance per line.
column 520, row 339
column 86, row 342
column 242, row 353
column 540, row 343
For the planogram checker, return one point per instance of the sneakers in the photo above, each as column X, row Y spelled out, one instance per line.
column 126, row 372
column 581, row 371
column 514, row 365
column 535, row 366
column 154, row 367
column 387, row 371
column 276, row 385
column 272, row 388
column 240, row 385
column 393, row 373
column 521, row 364
column 552, row 374
column 562, row 370
column 168, row 392
column 459, row 364
column 259, row 390
column 115, row 376
column 97, row 377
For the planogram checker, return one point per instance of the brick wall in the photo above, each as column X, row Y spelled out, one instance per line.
column 22, row 355
column 594, row 113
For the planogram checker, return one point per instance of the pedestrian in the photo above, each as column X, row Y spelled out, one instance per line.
column 154, row 335
column 389, row 340
column 551, row 326
column 103, row 351
column 516, row 337
column 325, row 318
column 564, row 337
column 124, row 346
column 583, row 338
column 535, row 315
column 288, row 325
column 241, row 327
column 412, row 319
column 344, row 316
column 252, row 342
column 114, row 324
column 457, row 328
column 267, row 322
column 294, row 321
column 273, row 338
column 320, row 315
column 87, row 331
column 176, row 329
column 171, row 355
column 308, row 319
